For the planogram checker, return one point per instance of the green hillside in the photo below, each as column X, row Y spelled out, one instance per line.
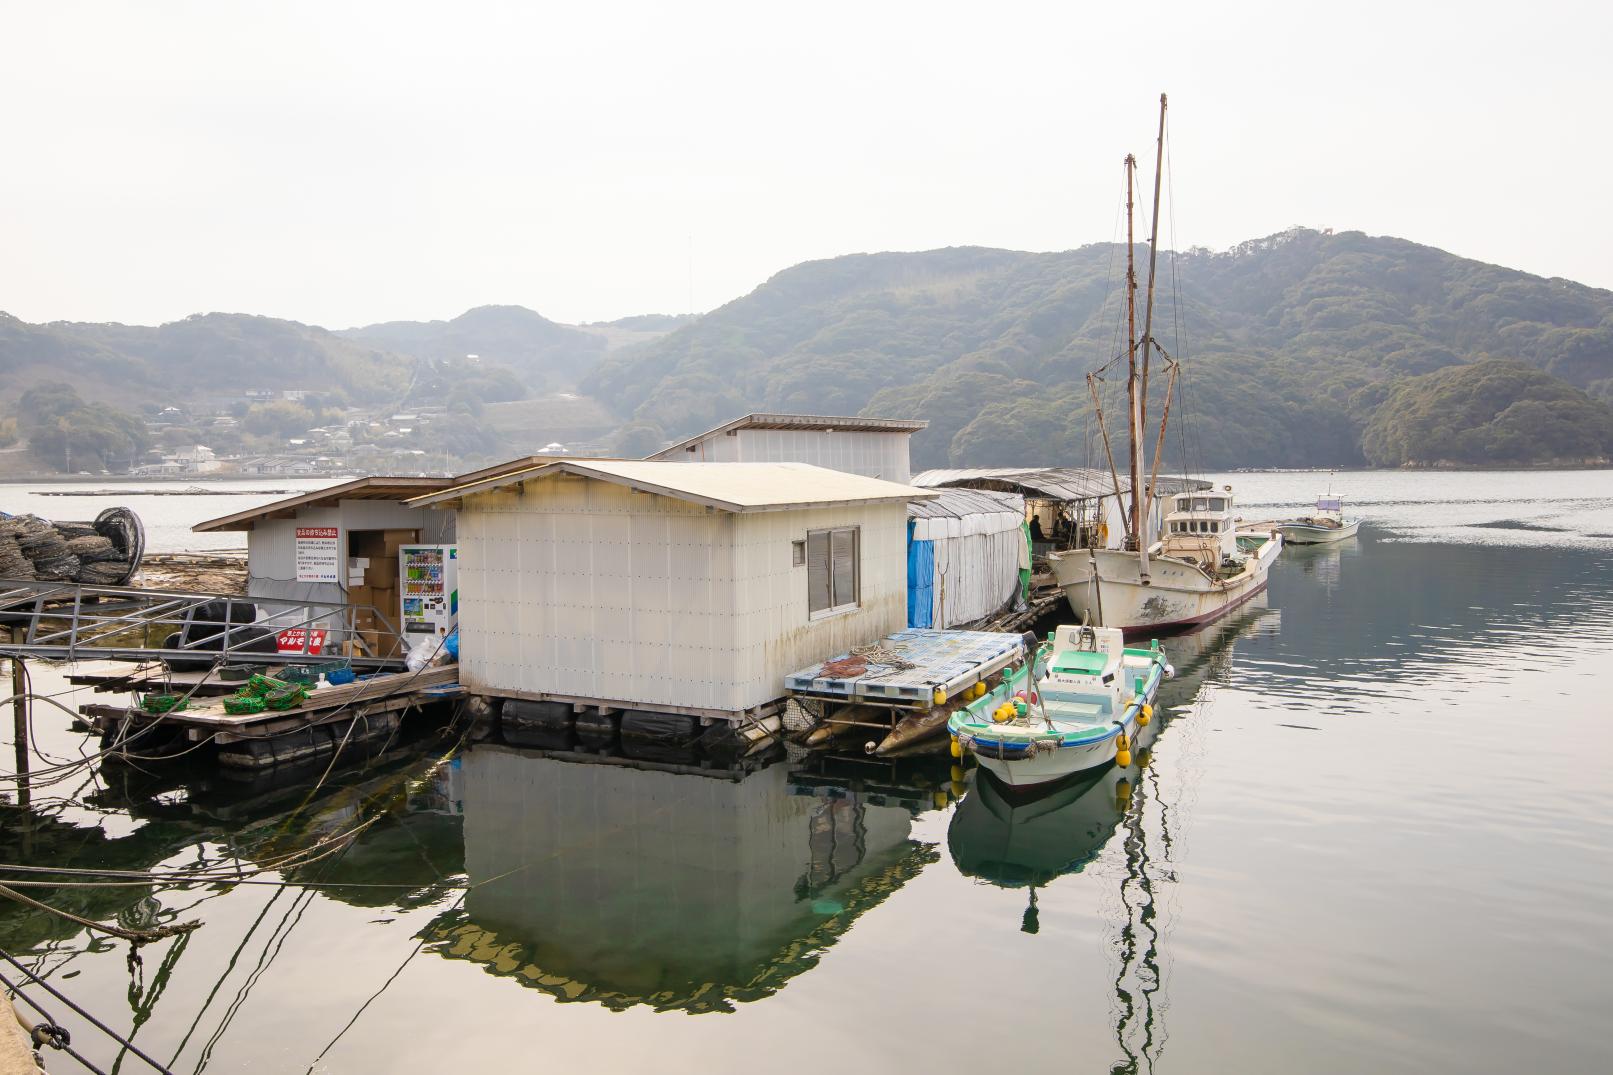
column 1290, row 343
column 1493, row 412
column 205, row 354
column 543, row 353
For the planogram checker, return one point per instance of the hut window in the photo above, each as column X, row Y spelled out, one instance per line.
column 797, row 553
column 832, row 570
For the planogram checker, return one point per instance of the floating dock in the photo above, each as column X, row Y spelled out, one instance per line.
column 368, row 708
column 902, row 689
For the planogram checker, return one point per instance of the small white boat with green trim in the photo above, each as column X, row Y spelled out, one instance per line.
column 1074, row 706
column 1326, row 525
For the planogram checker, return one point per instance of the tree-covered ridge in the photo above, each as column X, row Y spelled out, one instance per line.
column 1291, row 344
column 1493, row 412
column 542, row 353
column 203, row 355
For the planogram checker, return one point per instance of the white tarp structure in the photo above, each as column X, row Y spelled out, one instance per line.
column 965, row 553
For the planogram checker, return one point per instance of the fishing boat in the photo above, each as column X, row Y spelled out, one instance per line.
column 1204, row 566
column 1200, row 564
column 1073, row 706
column 1325, row 525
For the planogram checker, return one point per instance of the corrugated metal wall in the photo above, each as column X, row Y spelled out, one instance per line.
column 876, row 455
column 776, row 636
column 586, row 589
column 976, row 564
column 271, row 545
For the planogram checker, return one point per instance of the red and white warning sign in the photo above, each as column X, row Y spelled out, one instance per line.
column 291, row 640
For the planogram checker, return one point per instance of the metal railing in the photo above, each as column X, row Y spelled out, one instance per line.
column 67, row 621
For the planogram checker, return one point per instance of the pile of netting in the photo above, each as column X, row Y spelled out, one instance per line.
column 105, row 552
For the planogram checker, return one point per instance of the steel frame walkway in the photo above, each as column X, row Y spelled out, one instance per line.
column 64, row 621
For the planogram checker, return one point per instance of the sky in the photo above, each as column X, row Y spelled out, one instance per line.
column 342, row 163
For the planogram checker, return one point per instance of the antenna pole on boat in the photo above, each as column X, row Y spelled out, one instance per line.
column 1133, row 411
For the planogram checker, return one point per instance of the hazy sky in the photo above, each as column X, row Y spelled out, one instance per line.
column 341, row 163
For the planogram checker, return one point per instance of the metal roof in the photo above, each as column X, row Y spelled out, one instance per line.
column 957, row 503
column 736, row 487
column 1052, row 483
column 362, row 489
column 826, row 423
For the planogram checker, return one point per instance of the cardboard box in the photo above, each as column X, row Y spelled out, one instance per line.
column 393, row 540
column 382, row 572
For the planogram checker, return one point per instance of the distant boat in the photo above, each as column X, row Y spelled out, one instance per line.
column 1201, row 566
column 1326, row 525
column 1074, row 706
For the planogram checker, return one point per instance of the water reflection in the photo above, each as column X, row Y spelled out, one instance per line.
column 623, row 884
column 1388, row 616
column 1028, row 842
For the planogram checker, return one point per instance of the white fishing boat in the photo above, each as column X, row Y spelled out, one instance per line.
column 1204, row 567
column 1074, row 706
column 1325, row 525
column 1200, row 565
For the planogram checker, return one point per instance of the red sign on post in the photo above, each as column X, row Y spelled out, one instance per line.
column 291, row 640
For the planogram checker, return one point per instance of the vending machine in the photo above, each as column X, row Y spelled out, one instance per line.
column 429, row 585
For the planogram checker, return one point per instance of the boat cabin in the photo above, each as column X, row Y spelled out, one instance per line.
column 1330, row 508
column 1199, row 527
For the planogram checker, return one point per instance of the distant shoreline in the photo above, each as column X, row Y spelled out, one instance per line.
column 149, row 479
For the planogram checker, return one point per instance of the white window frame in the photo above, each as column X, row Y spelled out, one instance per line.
column 843, row 607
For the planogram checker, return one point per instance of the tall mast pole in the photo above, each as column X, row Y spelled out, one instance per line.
column 1153, row 264
column 1133, row 411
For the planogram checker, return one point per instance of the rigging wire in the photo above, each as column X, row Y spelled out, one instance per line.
column 92, row 1020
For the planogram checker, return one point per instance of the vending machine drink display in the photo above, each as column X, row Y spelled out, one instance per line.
column 429, row 579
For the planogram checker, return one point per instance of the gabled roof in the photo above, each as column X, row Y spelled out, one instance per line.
column 736, row 487
column 825, row 423
column 362, row 489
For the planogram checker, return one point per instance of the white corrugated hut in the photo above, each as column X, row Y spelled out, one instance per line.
column 966, row 551
column 875, row 447
column 659, row 586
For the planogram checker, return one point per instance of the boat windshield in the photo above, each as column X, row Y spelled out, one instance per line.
column 1329, row 504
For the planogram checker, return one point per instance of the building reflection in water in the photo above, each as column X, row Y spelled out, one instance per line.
column 625, row 884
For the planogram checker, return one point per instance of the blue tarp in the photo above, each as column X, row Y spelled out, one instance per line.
column 920, row 581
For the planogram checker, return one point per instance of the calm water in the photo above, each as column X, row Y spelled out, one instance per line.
column 1372, row 833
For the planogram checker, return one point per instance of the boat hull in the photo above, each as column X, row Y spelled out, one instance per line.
column 1177, row 595
column 1306, row 534
column 1047, row 766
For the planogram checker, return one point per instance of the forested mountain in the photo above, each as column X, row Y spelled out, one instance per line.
column 541, row 352
column 1491, row 412
column 205, row 354
column 1289, row 345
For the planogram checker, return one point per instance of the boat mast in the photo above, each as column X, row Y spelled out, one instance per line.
column 1153, row 256
column 1133, row 409
column 1147, row 336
